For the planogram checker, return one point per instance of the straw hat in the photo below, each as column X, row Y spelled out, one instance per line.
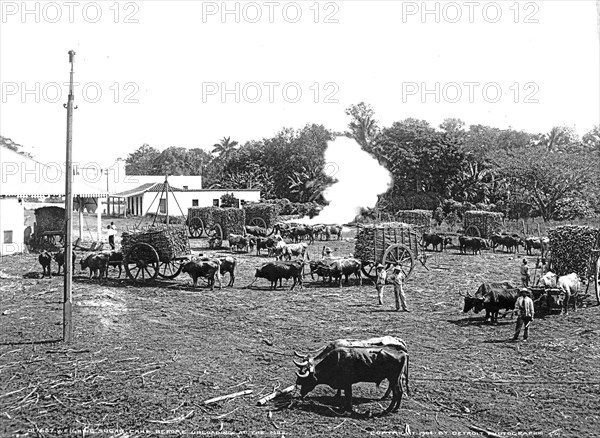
column 379, row 266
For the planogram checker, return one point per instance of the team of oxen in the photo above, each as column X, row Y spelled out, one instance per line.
column 474, row 245
column 288, row 244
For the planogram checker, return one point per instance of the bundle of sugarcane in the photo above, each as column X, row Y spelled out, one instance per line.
column 571, row 246
column 488, row 222
column 373, row 240
column 267, row 212
column 169, row 241
column 416, row 217
column 232, row 220
column 49, row 219
column 204, row 213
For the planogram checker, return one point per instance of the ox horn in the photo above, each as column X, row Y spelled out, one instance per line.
column 300, row 364
column 302, row 375
column 303, row 356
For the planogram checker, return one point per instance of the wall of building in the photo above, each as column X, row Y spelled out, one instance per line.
column 11, row 226
column 150, row 202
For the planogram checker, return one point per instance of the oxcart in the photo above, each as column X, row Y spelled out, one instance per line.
column 50, row 226
column 159, row 251
column 391, row 244
column 216, row 222
column 259, row 214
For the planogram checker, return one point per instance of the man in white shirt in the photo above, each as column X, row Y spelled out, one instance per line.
column 380, row 282
column 525, row 311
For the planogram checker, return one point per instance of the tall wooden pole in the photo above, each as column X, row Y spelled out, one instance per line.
column 68, row 284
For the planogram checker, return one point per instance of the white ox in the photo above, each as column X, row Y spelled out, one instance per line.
column 569, row 286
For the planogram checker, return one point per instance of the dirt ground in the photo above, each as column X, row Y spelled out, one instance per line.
column 145, row 359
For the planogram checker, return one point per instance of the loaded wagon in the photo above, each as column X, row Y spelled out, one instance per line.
column 483, row 224
column 216, row 222
column 159, row 251
column 260, row 214
column 391, row 244
column 576, row 249
column 49, row 226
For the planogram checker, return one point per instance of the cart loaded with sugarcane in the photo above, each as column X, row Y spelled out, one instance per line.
column 391, row 244
column 216, row 222
column 573, row 249
column 159, row 250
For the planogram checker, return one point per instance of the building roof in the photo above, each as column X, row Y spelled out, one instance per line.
column 159, row 187
column 23, row 176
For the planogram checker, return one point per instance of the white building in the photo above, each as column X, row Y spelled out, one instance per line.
column 153, row 198
column 12, row 226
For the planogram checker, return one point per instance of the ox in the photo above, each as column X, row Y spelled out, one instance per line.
column 292, row 250
column 492, row 297
column 532, row 243
column 301, row 231
column 240, row 242
column 45, row 259
column 435, row 240
column 475, row 244
column 256, row 231
column 276, row 271
column 96, row 263
column 569, row 286
column 371, row 342
column 341, row 367
column 206, row 269
column 333, row 230
column 345, row 267
column 227, row 265
column 269, row 244
column 59, row 258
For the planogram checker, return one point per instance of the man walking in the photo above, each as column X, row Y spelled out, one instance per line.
column 525, row 311
column 525, row 274
column 396, row 279
column 380, row 282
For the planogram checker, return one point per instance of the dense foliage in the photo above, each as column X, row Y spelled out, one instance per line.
column 552, row 175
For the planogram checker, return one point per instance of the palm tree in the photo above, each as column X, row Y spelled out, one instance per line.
column 224, row 149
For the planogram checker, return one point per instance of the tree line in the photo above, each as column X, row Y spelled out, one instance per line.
column 553, row 175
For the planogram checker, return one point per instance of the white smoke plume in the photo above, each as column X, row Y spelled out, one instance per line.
column 360, row 180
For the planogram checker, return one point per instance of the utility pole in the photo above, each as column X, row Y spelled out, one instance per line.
column 68, row 283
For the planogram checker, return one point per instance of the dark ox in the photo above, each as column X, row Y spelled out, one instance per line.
column 241, row 242
column 475, row 244
column 269, row 244
column 96, row 263
column 115, row 259
column 371, row 342
column 510, row 243
column 532, row 243
column 436, row 241
column 342, row 367
column 59, row 258
column 45, row 259
column 344, row 268
column 276, row 271
column 227, row 266
column 300, row 232
column 492, row 297
column 205, row 269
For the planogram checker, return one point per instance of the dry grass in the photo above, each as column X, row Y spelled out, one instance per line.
column 145, row 358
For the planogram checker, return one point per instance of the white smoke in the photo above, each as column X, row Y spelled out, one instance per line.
column 360, row 179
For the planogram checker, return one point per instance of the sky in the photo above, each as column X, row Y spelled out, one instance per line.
column 188, row 73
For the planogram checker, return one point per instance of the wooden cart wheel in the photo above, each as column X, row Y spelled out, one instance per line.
column 472, row 231
column 218, row 235
column 399, row 254
column 369, row 269
column 141, row 263
column 196, row 227
column 260, row 222
column 170, row 269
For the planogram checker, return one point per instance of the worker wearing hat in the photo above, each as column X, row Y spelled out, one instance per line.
column 396, row 278
column 525, row 311
column 380, row 282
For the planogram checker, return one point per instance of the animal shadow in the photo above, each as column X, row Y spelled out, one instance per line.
column 332, row 406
